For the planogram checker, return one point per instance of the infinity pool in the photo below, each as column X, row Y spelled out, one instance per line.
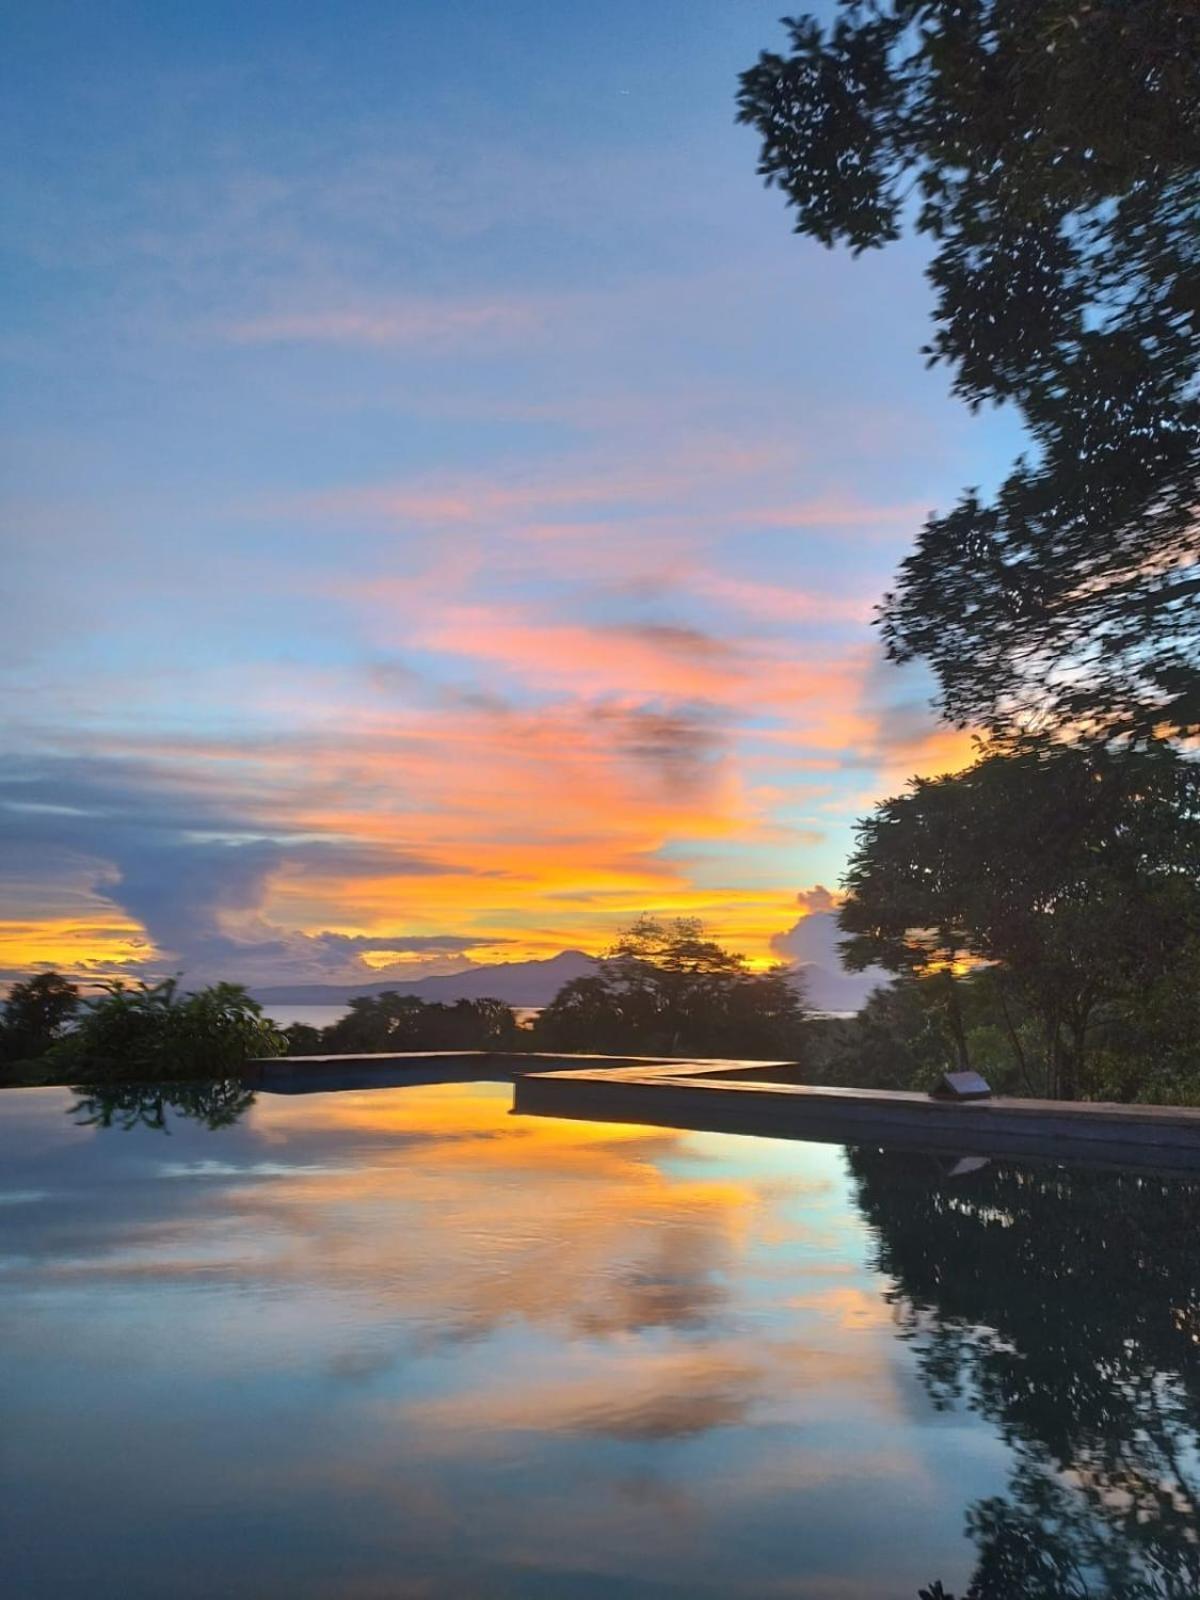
column 394, row 1343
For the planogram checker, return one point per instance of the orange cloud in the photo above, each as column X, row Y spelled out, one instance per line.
column 105, row 939
column 561, row 709
column 776, row 603
column 547, row 825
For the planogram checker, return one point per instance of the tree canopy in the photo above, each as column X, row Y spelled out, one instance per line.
column 666, row 989
column 392, row 1021
column 1050, row 150
column 131, row 1031
column 35, row 1014
column 1074, row 873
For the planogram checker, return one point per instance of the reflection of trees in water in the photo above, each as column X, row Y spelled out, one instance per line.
column 217, row 1103
column 1064, row 1307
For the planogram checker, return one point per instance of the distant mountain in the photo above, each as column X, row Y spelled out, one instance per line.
column 519, row 983
column 535, row 983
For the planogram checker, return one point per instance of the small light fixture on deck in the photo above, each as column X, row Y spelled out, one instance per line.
column 962, row 1086
column 966, row 1165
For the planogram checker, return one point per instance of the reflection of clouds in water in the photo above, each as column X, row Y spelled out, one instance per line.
column 637, row 1393
column 499, row 1354
column 630, row 1395
column 442, row 1218
column 437, row 1213
column 553, row 1223
column 849, row 1307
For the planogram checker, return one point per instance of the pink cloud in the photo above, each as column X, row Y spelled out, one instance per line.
column 650, row 660
column 777, row 603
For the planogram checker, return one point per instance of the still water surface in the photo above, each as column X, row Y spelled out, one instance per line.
column 400, row 1343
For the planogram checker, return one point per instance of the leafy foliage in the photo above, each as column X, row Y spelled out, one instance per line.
column 35, row 1015
column 303, row 1039
column 900, row 1039
column 400, row 1022
column 152, row 1031
column 665, row 989
column 1050, row 150
column 1074, row 873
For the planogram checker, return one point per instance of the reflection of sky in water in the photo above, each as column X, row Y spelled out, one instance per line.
column 402, row 1343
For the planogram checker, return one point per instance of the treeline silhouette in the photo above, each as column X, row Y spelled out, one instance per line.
column 398, row 1022
column 131, row 1031
column 668, row 989
column 663, row 989
column 1059, row 969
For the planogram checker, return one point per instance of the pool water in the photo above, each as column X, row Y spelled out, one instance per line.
column 401, row 1343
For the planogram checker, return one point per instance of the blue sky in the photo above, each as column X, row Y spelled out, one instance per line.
column 444, row 502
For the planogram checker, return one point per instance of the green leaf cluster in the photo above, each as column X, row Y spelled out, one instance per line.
column 1066, row 882
column 35, row 1015
column 153, row 1031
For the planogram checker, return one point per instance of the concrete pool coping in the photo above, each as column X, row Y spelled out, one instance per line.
column 756, row 1097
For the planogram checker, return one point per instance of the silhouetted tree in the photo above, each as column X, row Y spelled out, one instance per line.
column 1075, row 873
column 303, row 1040
column 152, row 1031
column 900, row 1039
column 35, row 1015
column 1050, row 149
column 665, row 989
column 400, row 1022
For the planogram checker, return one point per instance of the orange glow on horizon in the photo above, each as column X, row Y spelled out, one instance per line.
column 102, row 943
column 651, row 761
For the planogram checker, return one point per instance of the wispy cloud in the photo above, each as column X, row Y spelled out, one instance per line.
column 432, row 530
column 411, row 322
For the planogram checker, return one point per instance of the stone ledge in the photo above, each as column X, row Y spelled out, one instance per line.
column 755, row 1097
column 689, row 1094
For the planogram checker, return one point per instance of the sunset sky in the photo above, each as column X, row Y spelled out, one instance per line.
column 444, row 503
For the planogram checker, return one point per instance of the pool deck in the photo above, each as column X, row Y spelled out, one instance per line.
column 756, row 1097
column 739, row 1098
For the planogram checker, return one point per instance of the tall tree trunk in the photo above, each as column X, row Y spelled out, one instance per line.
column 1014, row 1038
column 1067, row 1067
column 1080, row 1017
column 954, row 1012
column 1050, row 1055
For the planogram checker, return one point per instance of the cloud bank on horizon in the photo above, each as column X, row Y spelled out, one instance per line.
column 445, row 505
